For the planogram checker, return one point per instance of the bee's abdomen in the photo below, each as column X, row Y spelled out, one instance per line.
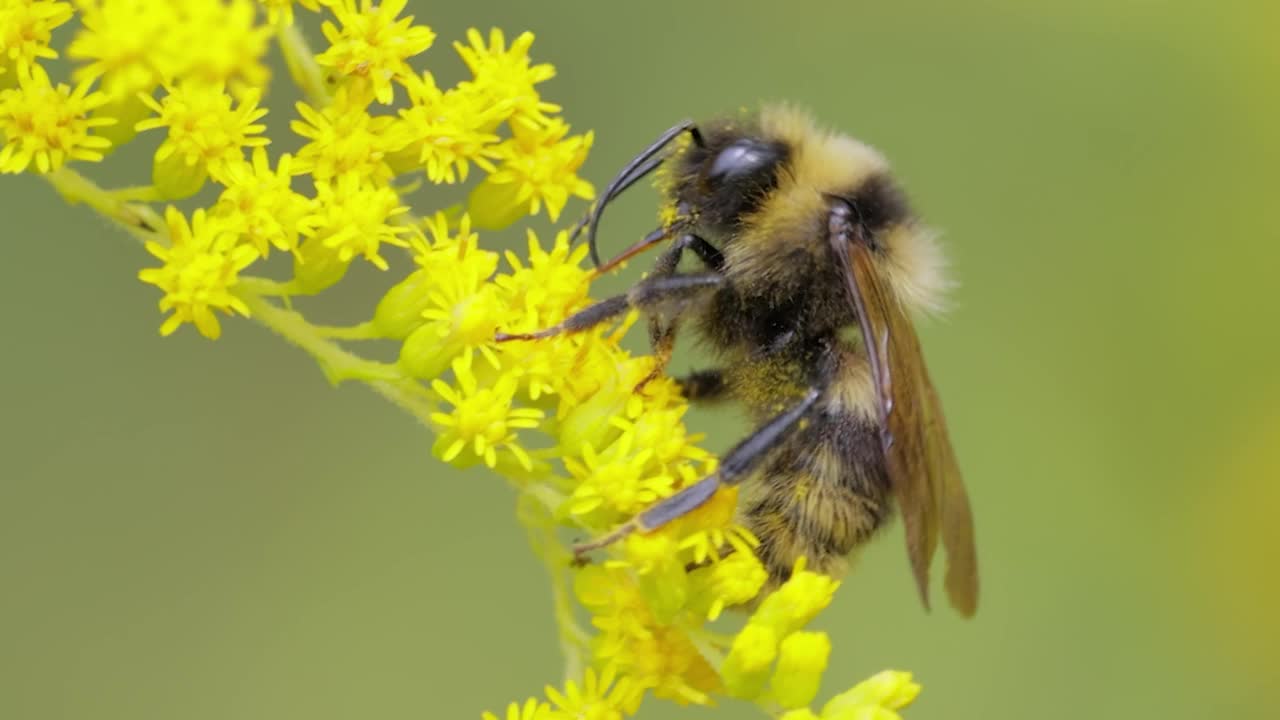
column 820, row 496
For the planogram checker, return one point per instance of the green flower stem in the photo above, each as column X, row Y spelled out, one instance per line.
column 140, row 221
column 338, row 364
column 306, row 74
column 361, row 331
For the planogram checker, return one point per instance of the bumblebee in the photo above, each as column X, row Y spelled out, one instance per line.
column 810, row 264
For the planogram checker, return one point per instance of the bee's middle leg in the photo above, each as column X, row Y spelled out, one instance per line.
column 733, row 469
column 651, row 295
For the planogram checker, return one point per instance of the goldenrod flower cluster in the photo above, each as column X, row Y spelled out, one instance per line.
column 561, row 419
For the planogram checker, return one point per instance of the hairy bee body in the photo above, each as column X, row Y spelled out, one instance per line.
column 782, row 309
column 810, row 264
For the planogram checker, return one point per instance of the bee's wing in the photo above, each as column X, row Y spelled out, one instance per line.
column 921, row 464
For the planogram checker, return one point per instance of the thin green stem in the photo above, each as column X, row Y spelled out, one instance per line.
column 140, row 221
column 337, row 363
column 361, row 331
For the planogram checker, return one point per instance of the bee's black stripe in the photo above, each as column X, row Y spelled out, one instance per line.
column 879, row 203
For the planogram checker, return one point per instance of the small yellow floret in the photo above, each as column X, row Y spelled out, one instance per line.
column 483, row 420
column 201, row 266
column 802, row 658
column 372, row 44
column 260, row 203
column 343, row 139
column 354, row 218
column 504, row 73
column 207, row 129
column 539, row 168
column 890, row 690
column 26, row 26
column 48, row 125
column 602, row 696
column 447, row 130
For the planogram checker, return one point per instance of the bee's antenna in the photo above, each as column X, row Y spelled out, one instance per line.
column 640, row 165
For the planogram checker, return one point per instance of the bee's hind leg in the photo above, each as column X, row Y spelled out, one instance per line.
column 734, row 467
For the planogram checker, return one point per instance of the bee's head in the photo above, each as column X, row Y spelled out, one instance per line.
column 727, row 176
column 714, row 178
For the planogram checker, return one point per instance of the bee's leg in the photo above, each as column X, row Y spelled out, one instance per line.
column 734, row 467
column 650, row 295
column 703, row 385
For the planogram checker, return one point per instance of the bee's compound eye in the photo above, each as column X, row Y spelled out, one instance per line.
column 744, row 158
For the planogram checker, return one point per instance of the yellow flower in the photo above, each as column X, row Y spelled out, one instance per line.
column 539, row 168
column 601, row 697
column 26, row 27
column 656, row 656
column 802, row 658
column 533, row 709
column 261, row 205
column 219, row 42
column 747, row 666
column 797, row 601
column 135, row 45
column 372, row 44
column 127, row 43
column 890, row 690
column 343, row 139
column 551, row 285
column 483, row 420
column 447, row 130
column 48, row 125
column 353, row 218
column 732, row 581
column 206, row 131
column 201, row 265
column 617, row 480
column 504, row 74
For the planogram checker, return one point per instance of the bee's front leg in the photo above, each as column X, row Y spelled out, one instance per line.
column 652, row 295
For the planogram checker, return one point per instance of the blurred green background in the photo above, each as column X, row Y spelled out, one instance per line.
column 208, row 530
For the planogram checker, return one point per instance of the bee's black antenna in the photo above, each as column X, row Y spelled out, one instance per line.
column 640, row 165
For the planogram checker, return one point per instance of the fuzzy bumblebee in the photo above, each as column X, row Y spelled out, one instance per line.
column 810, row 264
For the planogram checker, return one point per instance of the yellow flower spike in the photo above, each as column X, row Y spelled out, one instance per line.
column 46, row 125
column 447, row 130
column 539, row 168
column 350, row 218
column 259, row 202
column 201, row 266
column 802, row 658
column 505, row 73
column 889, row 690
column 532, row 709
column 482, row 421
column 207, row 131
column 372, row 44
column 343, row 139
column 602, row 696
column 25, row 30
column 746, row 669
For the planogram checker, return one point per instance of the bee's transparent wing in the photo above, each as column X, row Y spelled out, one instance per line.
column 921, row 464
